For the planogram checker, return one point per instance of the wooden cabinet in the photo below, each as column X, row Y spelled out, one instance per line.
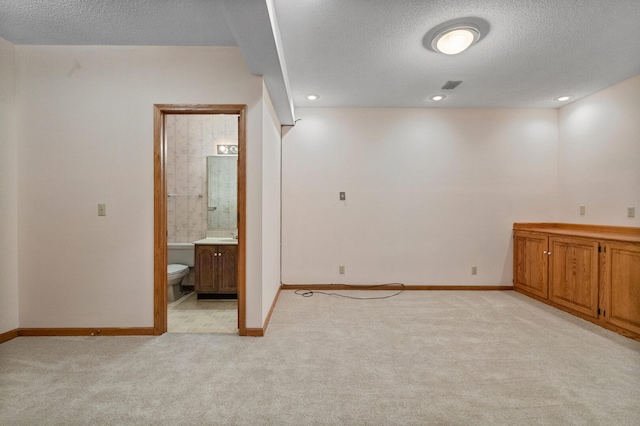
column 530, row 263
column 573, row 279
column 563, row 270
column 587, row 270
column 622, row 286
column 216, row 269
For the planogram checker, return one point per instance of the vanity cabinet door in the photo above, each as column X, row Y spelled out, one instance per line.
column 573, row 280
column 530, row 263
column 227, row 265
column 216, row 269
column 206, row 258
column 622, row 286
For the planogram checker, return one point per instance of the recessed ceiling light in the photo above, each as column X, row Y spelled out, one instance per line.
column 437, row 97
column 455, row 39
column 563, row 98
column 312, row 97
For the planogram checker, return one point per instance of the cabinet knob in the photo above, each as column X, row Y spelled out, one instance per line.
column 545, row 252
column 549, row 253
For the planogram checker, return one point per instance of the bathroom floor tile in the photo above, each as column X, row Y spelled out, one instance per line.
column 190, row 315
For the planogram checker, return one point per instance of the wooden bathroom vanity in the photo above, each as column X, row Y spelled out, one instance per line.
column 590, row 271
column 216, row 266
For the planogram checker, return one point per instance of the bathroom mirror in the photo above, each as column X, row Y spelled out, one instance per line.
column 222, row 192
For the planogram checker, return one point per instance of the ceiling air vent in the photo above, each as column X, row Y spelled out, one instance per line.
column 451, row 85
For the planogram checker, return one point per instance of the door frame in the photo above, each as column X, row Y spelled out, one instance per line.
column 160, row 112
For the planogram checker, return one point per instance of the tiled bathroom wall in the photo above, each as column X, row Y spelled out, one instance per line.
column 190, row 140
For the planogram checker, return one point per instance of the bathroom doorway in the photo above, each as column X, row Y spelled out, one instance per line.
column 225, row 144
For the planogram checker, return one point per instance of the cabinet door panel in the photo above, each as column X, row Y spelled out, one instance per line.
column 205, row 269
column 622, row 286
column 530, row 263
column 227, row 269
column 574, row 274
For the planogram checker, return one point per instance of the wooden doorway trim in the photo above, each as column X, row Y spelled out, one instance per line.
column 160, row 207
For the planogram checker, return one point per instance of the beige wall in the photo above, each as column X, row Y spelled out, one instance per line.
column 599, row 157
column 8, row 193
column 429, row 193
column 271, row 152
column 85, row 129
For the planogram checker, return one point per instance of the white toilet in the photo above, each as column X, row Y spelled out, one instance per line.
column 180, row 256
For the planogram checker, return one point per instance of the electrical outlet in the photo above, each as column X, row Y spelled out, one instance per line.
column 102, row 209
column 583, row 210
column 631, row 212
column 341, row 269
column 474, row 270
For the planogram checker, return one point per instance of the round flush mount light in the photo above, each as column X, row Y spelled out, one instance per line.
column 563, row 98
column 312, row 97
column 455, row 36
column 437, row 97
column 456, row 39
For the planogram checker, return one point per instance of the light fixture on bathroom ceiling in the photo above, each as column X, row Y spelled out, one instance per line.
column 312, row 97
column 227, row 150
column 437, row 97
column 563, row 98
column 456, row 38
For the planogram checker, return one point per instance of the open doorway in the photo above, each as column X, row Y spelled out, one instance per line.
column 164, row 114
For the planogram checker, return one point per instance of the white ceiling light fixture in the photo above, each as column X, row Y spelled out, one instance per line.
column 563, row 98
column 312, row 97
column 437, row 97
column 455, row 39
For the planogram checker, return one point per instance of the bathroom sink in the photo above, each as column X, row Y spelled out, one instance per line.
column 217, row 241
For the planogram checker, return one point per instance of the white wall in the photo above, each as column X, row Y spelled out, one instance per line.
column 8, row 193
column 271, row 152
column 429, row 193
column 85, row 131
column 599, row 157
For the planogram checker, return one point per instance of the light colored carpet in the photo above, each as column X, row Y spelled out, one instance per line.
column 422, row 358
column 190, row 315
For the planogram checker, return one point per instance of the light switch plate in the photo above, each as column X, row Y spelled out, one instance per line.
column 102, row 209
column 343, row 196
column 631, row 212
column 582, row 210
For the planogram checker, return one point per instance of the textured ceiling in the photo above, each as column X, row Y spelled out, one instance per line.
column 115, row 22
column 368, row 53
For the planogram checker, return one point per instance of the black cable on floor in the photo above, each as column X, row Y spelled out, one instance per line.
column 308, row 292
